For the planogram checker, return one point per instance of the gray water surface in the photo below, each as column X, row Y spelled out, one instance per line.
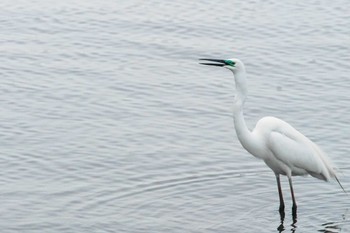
column 108, row 123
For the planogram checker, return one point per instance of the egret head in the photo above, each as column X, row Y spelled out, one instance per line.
column 238, row 70
column 233, row 64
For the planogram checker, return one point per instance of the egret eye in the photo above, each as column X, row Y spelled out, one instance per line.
column 230, row 63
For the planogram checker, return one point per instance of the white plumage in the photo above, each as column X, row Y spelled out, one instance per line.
column 290, row 153
column 284, row 149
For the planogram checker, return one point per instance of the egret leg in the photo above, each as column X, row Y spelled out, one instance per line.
column 280, row 193
column 281, row 209
column 294, row 208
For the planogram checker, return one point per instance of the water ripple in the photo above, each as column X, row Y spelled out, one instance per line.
column 108, row 123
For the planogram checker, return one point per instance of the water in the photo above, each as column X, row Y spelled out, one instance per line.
column 108, row 123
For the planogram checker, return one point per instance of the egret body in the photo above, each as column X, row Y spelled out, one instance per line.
column 284, row 149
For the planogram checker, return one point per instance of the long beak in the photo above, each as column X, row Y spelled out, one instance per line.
column 219, row 62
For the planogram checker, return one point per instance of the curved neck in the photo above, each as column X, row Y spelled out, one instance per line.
column 248, row 139
column 241, row 84
column 243, row 133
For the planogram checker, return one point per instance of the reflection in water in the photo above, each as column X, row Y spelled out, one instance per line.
column 112, row 148
column 281, row 227
column 331, row 227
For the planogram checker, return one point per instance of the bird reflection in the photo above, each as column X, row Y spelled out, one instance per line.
column 329, row 227
column 281, row 227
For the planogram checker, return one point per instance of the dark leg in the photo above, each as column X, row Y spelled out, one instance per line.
column 294, row 208
column 281, row 209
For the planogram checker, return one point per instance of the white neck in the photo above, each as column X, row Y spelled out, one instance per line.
column 248, row 140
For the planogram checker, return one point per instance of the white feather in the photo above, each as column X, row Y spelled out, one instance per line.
column 288, row 146
column 284, row 149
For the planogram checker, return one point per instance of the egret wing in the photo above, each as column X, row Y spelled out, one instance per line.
column 298, row 152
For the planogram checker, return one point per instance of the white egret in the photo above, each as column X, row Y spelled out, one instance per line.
column 284, row 149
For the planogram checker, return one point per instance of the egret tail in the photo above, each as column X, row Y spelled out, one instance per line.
column 341, row 186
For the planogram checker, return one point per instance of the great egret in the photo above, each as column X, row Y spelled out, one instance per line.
column 284, row 149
